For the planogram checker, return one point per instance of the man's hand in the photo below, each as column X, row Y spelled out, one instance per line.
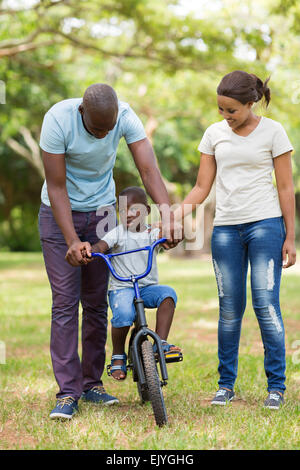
column 78, row 253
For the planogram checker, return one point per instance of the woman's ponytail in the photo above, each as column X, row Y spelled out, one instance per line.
column 244, row 87
column 263, row 91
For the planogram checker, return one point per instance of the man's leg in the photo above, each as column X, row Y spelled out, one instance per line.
column 94, row 282
column 65, row 285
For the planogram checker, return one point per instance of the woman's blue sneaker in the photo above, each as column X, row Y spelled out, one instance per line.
column 274, row 400
column 65, row 408
column 98, row 395
column 223, row 396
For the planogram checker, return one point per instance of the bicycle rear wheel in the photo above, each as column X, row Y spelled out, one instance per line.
column 155, row 394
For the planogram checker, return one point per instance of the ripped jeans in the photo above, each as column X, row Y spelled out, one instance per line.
column 232, row 247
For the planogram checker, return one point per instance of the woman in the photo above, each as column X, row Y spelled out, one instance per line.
column 253, row 222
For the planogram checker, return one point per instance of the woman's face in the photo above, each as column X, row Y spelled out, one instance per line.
column 233, row 111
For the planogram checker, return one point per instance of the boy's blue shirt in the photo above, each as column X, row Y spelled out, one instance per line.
column 89, row 161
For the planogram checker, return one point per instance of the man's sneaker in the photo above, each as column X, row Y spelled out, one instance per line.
column 65, row 408
column 223, row 396
column 98, row 395
column 274, row 400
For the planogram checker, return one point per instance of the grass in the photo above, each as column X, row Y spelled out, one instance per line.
column 28, row 387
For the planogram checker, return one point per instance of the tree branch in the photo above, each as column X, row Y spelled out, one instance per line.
column 32, row 154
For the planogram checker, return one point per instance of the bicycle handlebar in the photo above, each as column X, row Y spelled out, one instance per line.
column 149, row 248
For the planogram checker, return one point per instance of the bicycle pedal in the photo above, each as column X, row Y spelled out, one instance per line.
column 174, row 357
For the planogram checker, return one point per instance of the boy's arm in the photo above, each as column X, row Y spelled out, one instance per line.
column 109, row 240
column 100, row 247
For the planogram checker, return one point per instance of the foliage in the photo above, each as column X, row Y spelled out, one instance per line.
column 161, row 58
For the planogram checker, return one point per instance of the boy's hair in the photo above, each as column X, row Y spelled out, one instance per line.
column 139, row 194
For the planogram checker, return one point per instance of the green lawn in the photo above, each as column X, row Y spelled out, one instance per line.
column 28, row 387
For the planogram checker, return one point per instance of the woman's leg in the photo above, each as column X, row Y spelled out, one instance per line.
column 266, row 238
column 230, row 261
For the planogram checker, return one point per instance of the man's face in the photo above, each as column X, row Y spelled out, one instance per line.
column 98, row 126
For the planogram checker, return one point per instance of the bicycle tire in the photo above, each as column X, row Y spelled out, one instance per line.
column 153, row 384
column 144, row 396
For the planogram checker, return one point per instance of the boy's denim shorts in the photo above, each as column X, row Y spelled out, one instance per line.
column 122, row 306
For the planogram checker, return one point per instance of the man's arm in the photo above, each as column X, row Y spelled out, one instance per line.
column 145, row 161
column 55, row 171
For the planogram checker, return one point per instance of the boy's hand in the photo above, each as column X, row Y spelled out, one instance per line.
column 78, row 253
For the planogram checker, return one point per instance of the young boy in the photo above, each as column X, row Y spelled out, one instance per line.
column 131, row 234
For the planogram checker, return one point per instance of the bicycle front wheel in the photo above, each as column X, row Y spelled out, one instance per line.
column 153, row 384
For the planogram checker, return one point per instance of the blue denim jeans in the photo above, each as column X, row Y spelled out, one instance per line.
column 122, row 306
column 233, row 246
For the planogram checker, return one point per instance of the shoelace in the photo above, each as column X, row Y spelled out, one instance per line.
column 221, row 392
column 274, row 396
column 98, row 389
column 61, row 402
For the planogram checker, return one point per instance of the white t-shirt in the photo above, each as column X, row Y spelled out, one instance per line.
column 120, row 240
column 244, row 186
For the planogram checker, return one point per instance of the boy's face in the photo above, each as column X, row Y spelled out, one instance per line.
column 133, row 212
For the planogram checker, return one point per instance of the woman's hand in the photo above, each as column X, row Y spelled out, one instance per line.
column 288, row 251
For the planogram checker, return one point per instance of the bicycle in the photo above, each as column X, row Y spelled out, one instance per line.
column 141, row 358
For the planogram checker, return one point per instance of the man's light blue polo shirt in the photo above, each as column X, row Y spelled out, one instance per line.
column 89, row 161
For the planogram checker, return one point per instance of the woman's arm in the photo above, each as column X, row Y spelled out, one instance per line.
column 206, row 175
column 145, row 161
column 286, row 193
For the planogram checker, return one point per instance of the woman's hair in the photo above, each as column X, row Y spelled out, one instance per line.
column 244, row 87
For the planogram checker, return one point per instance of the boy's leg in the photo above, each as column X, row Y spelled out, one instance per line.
column 165, row 299
column 164, row 318
column 122, row 306
column 119, row 336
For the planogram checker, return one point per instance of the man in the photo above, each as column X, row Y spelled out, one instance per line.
column 79, row 140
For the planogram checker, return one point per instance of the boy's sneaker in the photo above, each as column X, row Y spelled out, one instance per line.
column 65, row 408
column 274, row 400
column 98, row 395
column 223, row 396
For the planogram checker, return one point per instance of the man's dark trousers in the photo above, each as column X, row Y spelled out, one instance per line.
column 70, row 285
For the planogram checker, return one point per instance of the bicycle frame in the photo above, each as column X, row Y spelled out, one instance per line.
column 141, row 323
